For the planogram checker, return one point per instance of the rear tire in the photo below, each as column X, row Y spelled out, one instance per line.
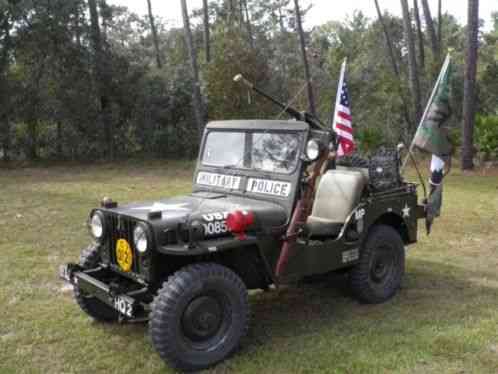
column 199, row 316
column 89, row 259
column 377, row 277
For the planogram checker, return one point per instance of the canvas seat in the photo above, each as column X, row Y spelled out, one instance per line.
column 338, row 193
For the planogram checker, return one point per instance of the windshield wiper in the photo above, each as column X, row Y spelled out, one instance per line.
column 230, row 166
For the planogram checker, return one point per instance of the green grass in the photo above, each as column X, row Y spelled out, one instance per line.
column 444, row 320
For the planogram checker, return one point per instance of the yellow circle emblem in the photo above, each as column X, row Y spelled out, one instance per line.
column 124, row 255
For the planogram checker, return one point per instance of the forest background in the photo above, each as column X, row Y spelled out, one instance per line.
column 88, row 80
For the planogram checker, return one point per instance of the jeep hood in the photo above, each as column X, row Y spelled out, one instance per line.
column 199, row 206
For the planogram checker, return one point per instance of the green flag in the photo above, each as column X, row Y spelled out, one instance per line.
column 431, row 136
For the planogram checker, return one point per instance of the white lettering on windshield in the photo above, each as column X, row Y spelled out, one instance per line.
column 230, row 182
column 269, row 187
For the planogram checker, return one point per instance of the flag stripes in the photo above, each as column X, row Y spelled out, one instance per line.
column 343, row 121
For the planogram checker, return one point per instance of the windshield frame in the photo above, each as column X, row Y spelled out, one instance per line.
column 301, row 135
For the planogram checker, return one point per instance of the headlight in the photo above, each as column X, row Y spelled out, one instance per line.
column 313, row 150
column 97, row 225
column 140, row 238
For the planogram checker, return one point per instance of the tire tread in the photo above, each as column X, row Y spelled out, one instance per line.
column 163, row 309
column 359, row 275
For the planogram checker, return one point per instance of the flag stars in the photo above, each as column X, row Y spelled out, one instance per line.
column 344, row 96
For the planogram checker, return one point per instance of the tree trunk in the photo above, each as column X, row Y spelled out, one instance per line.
column 281, row 18
column 241, row 14
column 412, row 61
column 77, row 25
column 59, row 141
column 432, row 33
column 104, row 17
column 420, row 36
column 469, row 94
column 207, row 41
column 440, row 24
column 230, row 11
column 196, row 93
column 33, row 98
column 33, row 139
column 390, row 47
column 283, row 38
column 307, row 75
column 394, row 65
column 101, row 76
column 6, row 140
column 154, row 35
column 248, row 23
column 4, row 100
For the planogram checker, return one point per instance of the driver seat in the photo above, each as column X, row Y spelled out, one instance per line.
column 338, row 193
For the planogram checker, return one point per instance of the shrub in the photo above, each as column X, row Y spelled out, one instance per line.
column 487, row 135
column 369, row 139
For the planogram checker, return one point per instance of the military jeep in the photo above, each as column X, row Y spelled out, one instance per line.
column 185, row 264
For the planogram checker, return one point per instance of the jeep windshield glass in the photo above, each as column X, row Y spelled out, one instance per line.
column 270, row 152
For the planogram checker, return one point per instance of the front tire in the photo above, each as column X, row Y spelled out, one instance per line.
column 199, row 316
column 377, row 277
column 89, row 259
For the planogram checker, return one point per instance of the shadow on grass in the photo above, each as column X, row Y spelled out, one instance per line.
column 432, row 294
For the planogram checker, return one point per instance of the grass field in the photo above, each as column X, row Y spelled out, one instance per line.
column 444, row 320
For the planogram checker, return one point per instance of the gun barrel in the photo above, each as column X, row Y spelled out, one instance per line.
column 291, row 111
column 306, row 117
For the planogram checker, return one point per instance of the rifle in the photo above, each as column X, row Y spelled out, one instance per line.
column 301, row 213
column 304, row 205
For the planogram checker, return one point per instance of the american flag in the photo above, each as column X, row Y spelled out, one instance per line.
column 343, row 126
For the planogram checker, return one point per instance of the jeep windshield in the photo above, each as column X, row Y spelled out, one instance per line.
column 262, row 151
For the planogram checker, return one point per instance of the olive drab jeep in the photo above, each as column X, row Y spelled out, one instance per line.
column 269, row 205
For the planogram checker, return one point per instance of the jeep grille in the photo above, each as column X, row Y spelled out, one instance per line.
column 121, row 227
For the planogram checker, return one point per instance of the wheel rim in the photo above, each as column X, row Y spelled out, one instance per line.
column 382, row 266
column 205, row 321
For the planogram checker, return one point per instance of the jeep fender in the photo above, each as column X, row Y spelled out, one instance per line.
column 398, row 223
column 399, row 212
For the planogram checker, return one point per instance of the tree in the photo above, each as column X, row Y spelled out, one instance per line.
column 233, row 55
column 230, row 7
column 440, row 23
column 154, row 35
column 412, row 61
column 71, row 90
column 243, row 4
column 307, row 75
column 420, row 36
column 77, row 23
column 394, row 63
column 389, row 43
column 432, row 33
column 469, row 100
column 100, row 62
column 196, row 91
column 207, row 41
column 4, row 86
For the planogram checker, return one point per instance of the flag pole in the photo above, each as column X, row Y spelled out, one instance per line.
column 440, row 77
column 337, row 101
column 339, row 89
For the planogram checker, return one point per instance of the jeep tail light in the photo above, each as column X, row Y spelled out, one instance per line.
column 238, row 222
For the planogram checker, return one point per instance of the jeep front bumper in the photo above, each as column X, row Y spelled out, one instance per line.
column 127, row 301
